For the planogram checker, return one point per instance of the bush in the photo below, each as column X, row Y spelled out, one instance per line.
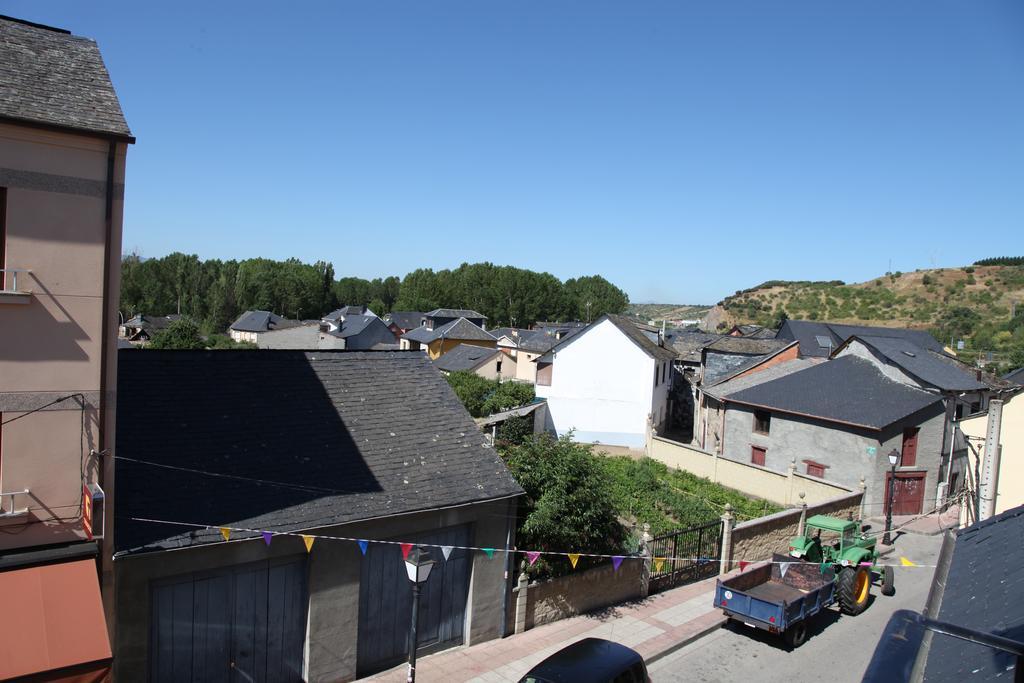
column 568, row 505
column 472, row 389
column 182, row 334
column 514, row 431
column 927, row 280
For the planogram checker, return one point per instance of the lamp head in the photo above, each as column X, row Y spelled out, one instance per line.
column 894, row 457
column 418, row 565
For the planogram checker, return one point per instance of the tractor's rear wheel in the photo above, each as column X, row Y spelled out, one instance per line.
column 888, row 587
column 796, row 634
column 854, row 589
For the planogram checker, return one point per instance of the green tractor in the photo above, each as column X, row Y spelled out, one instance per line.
column 851, row 554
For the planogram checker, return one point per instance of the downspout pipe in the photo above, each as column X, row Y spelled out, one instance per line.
column 108, row 226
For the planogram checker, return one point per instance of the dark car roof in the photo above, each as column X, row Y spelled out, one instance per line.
column 591, row 660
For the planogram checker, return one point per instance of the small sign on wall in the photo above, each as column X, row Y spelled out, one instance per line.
column 872, row 450
column 92, row 510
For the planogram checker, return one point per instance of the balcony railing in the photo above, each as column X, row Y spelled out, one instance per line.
column 8, row 506
column 9, row 282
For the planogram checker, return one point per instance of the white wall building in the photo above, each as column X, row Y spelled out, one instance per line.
column 604, row 383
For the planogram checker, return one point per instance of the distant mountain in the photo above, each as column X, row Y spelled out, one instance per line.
column 924, row 299
column 660, row 312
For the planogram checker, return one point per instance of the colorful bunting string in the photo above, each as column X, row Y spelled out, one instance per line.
column 784, row 567
column 743, row 564
column 531, row 555
column 574, row 558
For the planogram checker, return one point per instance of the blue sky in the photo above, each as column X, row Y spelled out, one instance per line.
column 681, row 149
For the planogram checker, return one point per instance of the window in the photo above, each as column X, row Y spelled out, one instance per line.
column 656, row 371
column 498, row 369
column 757, row 455
column 762, row 421
column 815, row 469
column 664, row 369
column 908, row 457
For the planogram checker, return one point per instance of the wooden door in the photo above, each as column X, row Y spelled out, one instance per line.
column 908, row 457
column 757, row 455
column 908, row 496
column 385, row 601
column 245, row 623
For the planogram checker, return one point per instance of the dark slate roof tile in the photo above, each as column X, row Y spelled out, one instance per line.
column 455, row 313
column 930, row 367
column 406, row 320
column 849, row 390
column 262, row 321
column 465, row 357
column 300, row 440
column 456, row 329
column 53, row 78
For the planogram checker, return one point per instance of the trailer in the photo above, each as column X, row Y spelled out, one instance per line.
column 778, row 597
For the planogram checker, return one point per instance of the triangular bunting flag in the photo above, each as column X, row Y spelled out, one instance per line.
column 226, row 533
column 406, row 547
column 823, row 567
column 743, row 564
column 616, row 561
column 266, row 536
column 532, row 556
column 308, row 540
column 574, row 558
column 658, row 563
column 446, row 550
column 906, row 563
column 489, row 551
column 362, row 546
column 784, row 567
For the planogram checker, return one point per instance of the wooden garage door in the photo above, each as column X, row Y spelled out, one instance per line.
column 908, row 495
column 245, row 623
column 385, row 601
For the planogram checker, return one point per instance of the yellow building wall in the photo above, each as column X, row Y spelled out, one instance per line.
column 1010, row 489
column 439, row 347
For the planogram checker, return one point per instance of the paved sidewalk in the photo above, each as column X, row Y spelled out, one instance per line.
column 653, row 627
column 927, row 525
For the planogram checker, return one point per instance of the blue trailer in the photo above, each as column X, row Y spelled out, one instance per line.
column 779, row 597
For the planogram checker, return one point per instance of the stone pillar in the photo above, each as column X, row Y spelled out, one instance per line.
column 728, row 521
column 646, row 553
column 791, row 480
column 524, row 589
column 802, row 526
column 863, row 494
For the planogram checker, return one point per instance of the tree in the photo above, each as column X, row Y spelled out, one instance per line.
column 507, row 395
column 472, row 389
column 181, row 334
column 568, row 507
column 588, row 298
column 514, row 431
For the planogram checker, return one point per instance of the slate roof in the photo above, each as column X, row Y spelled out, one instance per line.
column 1017, row 376
column 727, row 387
column 807, row 332
column 262, row 321
column 747, row 345
column 982, row 592
column 689, row 344
column 407, row 320
column 930, row 367
column 353, row 325
column 465, row 357
column 637, row 335
column 345, row 311
column 849, row 390
column 456, row 329
column 53, row 78
column 336, row 436
column 534, row 341
column 150, row 322
column 454, row 313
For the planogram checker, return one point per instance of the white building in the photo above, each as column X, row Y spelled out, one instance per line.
column 605, row 382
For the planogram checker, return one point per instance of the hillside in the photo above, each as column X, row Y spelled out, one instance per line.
column 918, row 299
column 974, row 303
column 667, row 311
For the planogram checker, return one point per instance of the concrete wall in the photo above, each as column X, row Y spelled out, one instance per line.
column 52, row 337
column 783, row 488
column 526, row 368
column 489, row 370
column 849, row 453
column 579, row 593
column 1010, row 487
column 757, row 539
column 304, row 338
column 602, row 386
column 334, row 576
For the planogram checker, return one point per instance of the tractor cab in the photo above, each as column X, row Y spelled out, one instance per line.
column 842, row 544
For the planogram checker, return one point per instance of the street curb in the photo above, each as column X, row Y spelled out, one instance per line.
column 686, row 641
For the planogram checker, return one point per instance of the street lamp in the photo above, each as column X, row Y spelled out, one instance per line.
column 894, row 458
column 417, row 565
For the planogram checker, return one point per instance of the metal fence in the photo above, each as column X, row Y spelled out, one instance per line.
column 699, row 546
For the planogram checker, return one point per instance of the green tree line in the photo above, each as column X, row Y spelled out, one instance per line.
column 214, row 292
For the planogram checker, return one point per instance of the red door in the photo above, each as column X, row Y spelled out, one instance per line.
column 909, row 456
column 908, row 496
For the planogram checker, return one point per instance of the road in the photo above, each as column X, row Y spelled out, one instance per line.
column 838, row 647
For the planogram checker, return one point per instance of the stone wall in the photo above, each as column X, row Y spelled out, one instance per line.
column 759, row 538
column 579, row 592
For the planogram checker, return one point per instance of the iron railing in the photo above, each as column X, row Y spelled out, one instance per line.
column 691, row 555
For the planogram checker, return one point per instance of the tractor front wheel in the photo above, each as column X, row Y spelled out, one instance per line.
column 854, row 588
column 888, row 588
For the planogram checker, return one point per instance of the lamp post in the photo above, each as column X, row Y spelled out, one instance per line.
column 894, row 458
column 417, row 565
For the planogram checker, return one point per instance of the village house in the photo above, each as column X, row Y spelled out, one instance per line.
column 607, row 384
column 252, row 324
column 820, row 339
column 352, row 332
column 1009, row 478
column 839, row 420
column 401, row 322
column 526, row 346
column 443, row 329
column 63, row 147
column 270, row 446
column 140, row 328
column 488, row 363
